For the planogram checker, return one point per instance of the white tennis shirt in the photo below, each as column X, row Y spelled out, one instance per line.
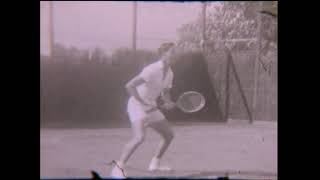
column 155, row 81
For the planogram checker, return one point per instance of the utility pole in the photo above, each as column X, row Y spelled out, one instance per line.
column 51, row 29
column 204, row 9
column 134, row 30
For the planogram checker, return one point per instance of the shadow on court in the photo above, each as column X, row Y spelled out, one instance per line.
column 234, row 174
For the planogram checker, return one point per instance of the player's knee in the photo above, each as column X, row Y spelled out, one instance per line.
column 138, row 139
column 169, row 136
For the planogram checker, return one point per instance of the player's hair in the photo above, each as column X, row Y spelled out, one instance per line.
column 165, row 47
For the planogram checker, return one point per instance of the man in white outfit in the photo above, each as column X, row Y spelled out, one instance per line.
column 155, row 80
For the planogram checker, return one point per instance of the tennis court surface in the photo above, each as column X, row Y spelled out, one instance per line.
column 199, row 150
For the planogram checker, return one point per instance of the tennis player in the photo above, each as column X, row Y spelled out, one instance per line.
column 154, row 81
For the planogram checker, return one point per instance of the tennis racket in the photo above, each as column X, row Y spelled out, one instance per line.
column 190, row 102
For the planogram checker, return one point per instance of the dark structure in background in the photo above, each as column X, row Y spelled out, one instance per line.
column 83, row 93
column 192, row 75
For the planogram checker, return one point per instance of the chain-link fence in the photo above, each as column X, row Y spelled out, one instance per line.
column 266, row 88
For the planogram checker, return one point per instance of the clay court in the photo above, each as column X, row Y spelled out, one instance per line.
column 199, row 150
column 228, row 53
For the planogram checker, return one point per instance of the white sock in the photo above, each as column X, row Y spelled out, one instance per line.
column 155, row 165
column 118, row 171
column 120, row 164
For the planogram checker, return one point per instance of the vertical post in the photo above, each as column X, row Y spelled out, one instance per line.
column 51, row 29
column 226, row 114
column 256, row 64
column 134, row 30
column 204, row 9
column 244, row 99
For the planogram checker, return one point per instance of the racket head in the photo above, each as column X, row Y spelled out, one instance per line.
column 191, row 101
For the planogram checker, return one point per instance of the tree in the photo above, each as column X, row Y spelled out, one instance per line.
column 226, row 21
column 98, row 55
column 75, row 55
column 126, row 56
column 60, row 52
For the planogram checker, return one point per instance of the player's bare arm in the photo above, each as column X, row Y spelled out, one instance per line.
column 131, row 87
column 166, row 97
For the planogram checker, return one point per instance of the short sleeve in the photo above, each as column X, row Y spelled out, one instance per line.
column 146, row 74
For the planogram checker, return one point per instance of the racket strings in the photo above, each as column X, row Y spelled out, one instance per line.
column 190, row 101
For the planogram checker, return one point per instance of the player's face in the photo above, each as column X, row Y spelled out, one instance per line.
column 169, row 50
column 173, row 60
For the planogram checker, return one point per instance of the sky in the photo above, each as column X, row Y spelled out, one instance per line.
column 108, row 24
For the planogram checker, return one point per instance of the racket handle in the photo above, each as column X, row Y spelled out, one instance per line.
column 152, row 109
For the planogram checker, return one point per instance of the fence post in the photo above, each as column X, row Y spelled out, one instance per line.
column 227, row 101
column 256, row 65
column 244, row 99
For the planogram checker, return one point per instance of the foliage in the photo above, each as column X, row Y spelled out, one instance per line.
column 228, row 21
column 127, row 56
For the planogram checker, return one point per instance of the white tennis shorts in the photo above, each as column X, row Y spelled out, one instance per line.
column 137, row 111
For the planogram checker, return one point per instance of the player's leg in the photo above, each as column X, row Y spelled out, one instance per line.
column 164, row 129
column 138, row 130
column 118, row 170
column 137, row 117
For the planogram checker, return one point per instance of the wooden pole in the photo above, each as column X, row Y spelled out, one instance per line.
column 226, row 114
column 256, row 66
column 51, row 30
column 244, row 99
column 204, row 9
column 134, row 30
